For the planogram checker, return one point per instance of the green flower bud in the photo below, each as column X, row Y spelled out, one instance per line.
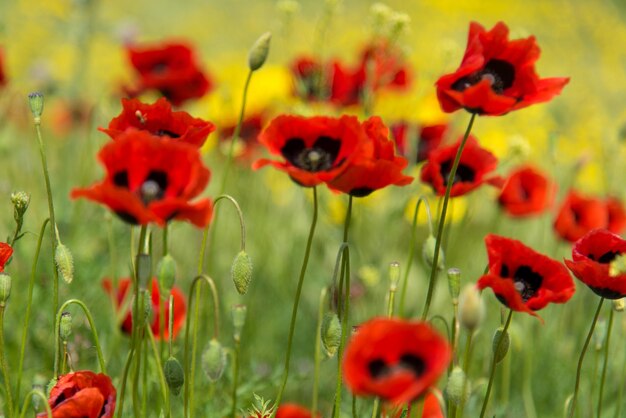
column 174, row 375
column 428, row 253
column 454, row 284
column 214, row 360
column 166, row 273
column 20, row 201
column 394, row 275
column 65, row 262
column 239, row 320
column 331, row 333
column 35, row 101
column 457, row 388
column 471, row 308
column 241, row 272
column 144, row 269
column 619, row 305
column 504, row 345
column 259, row 51
column 65, row 327
column 5, row 287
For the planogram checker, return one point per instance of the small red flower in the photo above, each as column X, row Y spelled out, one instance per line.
column 290, row 410
column 170, row 69
column 309, row 77
column 6, row 251
column 591, row 258
column 432, row 408
column 180, row 309
column 82, row 394
column 251, row 128
column 429, row 138
column 523, row 279
column 375, row 171
column 315, row 149
column 395, row 359
column 159, row 120
column 526, row 191
column 475, row 165
column 617, row 215
column 496, row 75
column 151, row 179
column 580, row 214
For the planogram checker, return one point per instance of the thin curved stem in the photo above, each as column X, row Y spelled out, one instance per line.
column 318, row 351
column 159, row 366
column 233, row 412
column 442, row 217
column 29, row 396
column 604, row 366
column 242, row 224
column 581, row 358
column 3, row 364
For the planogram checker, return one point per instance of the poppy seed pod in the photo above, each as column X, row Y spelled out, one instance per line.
column 454, row 284
column 174, row 375
column 166, row 273
column 214, row 360
column 35, row 101
column 65, row 327
column 394, row 275
column 457, row 389
column 428, row 253
column 20, row 201
column 471, row 308
column 331, row 333
column 65, row 262
column 259, row 51
column 5, row 288
column 241, row 272
column 500, row 353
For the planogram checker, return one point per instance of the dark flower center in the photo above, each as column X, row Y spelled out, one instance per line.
column 320, row 157
column 378, row 368
column 153, row 187
column 501, row 75
column 165, row 132
column 527, row 282
column 159, row 68
column 605, row 258
column 463, row 173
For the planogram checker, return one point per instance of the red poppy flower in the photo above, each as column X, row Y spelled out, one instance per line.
column 616, row 214
column 310, row 77
column 315, row 149
column 180, row 309
column 580, row 214
column 523, row 279
column 375, row 171
column 151, row 179
column 5, row 253
column 526, row 192
column 432, row 408
column 496, row 75
column 249, row 134
column 82, row 394
column 395, row 359
column 475, row 165
column 159, row 120
column 429, row 138
column 591, row 258
column 170, row 69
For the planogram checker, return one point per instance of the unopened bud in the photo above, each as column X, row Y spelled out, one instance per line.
column 457, row 388
column 5, row 287
column 331, row 333
column 500, row 348
column 599, row 334
column 471, row 308
column 618, row 266
column 20, row 201
column 259, row 51
column 174, row 375
column 454, row 284
column 166, row 273
column 35, row 101
column 214, row 360
column 241, row 272
column 428, row 253
column 619, row 305
column 394, row 275
column 65, row 262
column 144, row 269
column 239, row 320
column 65, row 327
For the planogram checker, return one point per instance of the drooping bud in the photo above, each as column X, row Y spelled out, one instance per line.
column 428, row 253
column 498, row 348
column 471, row 308
column 259, row 51
column 20, row 201
column 5, row 288
column 454, row 284
column 144, row 269
column 65, row 327
column 394, row 275
column 241, row 272
column 457, row 388
column 239, row 320
column 35, row 101
column 214, row 360
column 174, row 375
column 166, row 273
column 331, row 333
column 65, row 262
column 599, row 335
column 619, row 305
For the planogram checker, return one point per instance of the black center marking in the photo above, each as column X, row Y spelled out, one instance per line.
column 527, row 282
column 463, row 173
column 320, row 157
column 501, row 75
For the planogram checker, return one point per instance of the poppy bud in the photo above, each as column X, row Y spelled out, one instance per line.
column 65, row 327
column 239, row 319
column 619, row 304
column 65, row 262
column 471, row 308
column 618, row 265
column 331, row 333
column 428, row 253
column 166, row 273
column 214, row 360
column 241, row 272
column 454, row 284
column 20, row 201
column 394, row 275
column 457, row 389
column 259, row 51
column 174, row 375
column 5, row 288
column 35, row 101
column 599, row 334
column 144, row 269
column 504, row 345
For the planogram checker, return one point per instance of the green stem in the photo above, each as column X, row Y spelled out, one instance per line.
column 294, row 311
column 376, row 407
column 31, row 285
column 188, row 364
column 318, row 351
column 233, row 412
column 582, row 356
column 120, row 406
column 604, row 366
column 29, row 396
column 466, row 362
column 242, row 224
column 494, row 363
column 3, row 364
column 620, row 392
column 159, row 366
column 442, row 218
column 144, row 383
